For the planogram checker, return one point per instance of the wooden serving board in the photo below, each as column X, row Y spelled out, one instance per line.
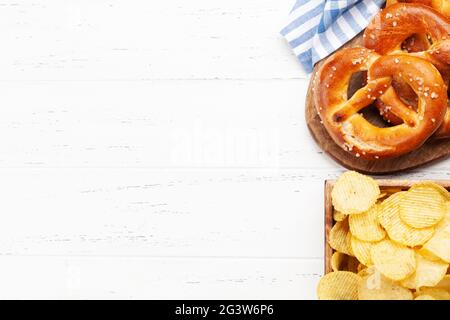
column 384, row 184
column 431, row 151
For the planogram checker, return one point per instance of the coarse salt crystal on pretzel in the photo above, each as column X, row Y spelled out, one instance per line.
column 349, row 129
column 411, row 20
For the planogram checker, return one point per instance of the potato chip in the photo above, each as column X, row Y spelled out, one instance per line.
column 354, row 193
column 422, row 207
column 428, row 255
column 447, row 206
column 340, row 237
column 436, row 293
column 393, row 260
column 360, row 268
column 340, row 285
column 382, row 195
column 439, row 244
column 342, row 262
column 388, row 216
column 339, row 216
column 391, row 244
column 428, row 273
column 375, row 286
column 361, row 249
column 444, row 283
column 429, row 184
column 365, row 226
column 365, row 271
column 424, row 297
column 337, row 261
column 352, row 264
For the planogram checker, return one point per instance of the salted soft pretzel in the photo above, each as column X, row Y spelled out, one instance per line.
column 349, row 129
column 393, row 25
column 443, row 6
column 419, row 42
column 387, row 32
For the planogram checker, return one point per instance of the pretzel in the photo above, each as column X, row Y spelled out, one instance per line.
column 386, row 33
column 349, row 129
column 390, row 27
column 419, row 42
column 442, row 6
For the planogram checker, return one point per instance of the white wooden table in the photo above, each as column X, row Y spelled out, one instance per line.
column 157, row 149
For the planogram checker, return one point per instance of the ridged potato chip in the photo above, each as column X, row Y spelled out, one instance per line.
column 444, row 283
column 340, row 285
column 365, row 226
column 375, row 286
column 340, row 237
column 393, row 260
column 428, row 273
column 361, row 249
column 352, row 264
column 436, row 293
column 428, row 255
column 337, row 261
column 388, row 216
column 382, row 195
column 366, row 271
column 429, row 184
column 339, row 216
column 342, row 262
column 390, row 244
column 424, row 297
column 439, row 244
column 422, row 207
column 447, row 209
column 360, row 268
column 354, row 193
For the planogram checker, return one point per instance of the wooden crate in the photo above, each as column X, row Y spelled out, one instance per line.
column 384, row 184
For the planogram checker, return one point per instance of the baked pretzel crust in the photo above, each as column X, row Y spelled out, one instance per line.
column 341, row 116
column 442, row 6
column 387, row 33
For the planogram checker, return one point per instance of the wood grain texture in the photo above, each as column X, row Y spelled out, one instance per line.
column 329, row 222
column 141, row 142
column 157, row 149
column 112, row 40
column 72, row 277
column 404, row 185
column 433, row 150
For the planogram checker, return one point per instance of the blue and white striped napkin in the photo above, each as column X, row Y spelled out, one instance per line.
column 317, row 28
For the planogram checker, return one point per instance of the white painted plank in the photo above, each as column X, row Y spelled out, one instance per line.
column 140, row 39
column 228, row 213
column 122, row 179
column 156, row 123
column 144, row 278
column 187, row 213
column 152, row 124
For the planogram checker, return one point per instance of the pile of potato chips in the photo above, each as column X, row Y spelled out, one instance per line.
column 389, row 244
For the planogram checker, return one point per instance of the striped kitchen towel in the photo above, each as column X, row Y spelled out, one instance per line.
column 317, row 28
